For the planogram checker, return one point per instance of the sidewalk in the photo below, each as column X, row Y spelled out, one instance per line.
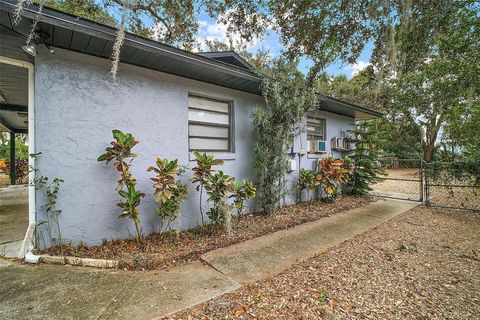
column 268, row 255
column 64, row 292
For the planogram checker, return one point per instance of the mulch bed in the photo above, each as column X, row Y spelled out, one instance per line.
column 423, row 264
column 169, row 249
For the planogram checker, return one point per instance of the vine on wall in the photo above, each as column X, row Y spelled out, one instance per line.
column 288, row 96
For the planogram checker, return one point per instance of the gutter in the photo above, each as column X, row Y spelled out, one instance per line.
column 31, row 13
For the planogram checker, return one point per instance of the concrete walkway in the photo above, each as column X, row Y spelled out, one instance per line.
column 64, row 292
column 266, row 256
column 13, row 218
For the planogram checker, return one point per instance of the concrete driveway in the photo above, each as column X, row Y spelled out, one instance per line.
column 13, row 218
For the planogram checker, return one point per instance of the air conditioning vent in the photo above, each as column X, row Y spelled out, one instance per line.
column 340, row 144
column 317, row 146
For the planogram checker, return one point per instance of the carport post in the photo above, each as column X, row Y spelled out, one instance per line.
column 13, row 178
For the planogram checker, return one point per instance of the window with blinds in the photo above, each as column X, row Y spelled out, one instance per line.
column 315, row 128
column 316, row 135
column 209, row 124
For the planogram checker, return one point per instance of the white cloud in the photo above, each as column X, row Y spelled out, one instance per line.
column 355, row 68
column 218, row 31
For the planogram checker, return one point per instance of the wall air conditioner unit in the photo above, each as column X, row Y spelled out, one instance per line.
column 317, row 146
column 339, row 143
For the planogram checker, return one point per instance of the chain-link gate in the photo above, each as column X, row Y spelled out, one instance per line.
column 403, row 179
column 454, row 185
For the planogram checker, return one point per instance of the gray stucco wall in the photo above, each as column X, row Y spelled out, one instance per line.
column 76, row 109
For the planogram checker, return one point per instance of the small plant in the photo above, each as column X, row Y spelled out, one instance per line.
column 329, row 175
column 323, row 295
column 219, row 186
column 121, row 153
column 21, row 169
column 349, row 166
column 202, row 172
column 50, row 191
column 306, row 181
column 169, row 192
column 242, row 191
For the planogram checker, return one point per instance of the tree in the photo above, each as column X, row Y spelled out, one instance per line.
column 288, row 97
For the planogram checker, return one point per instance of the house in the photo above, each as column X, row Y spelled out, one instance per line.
column 171, row 100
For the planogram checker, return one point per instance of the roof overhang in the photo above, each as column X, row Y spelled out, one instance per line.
column 69, row 32
column 346, row 109
column 230, row 57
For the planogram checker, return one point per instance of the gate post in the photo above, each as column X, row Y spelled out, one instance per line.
column 426, row 201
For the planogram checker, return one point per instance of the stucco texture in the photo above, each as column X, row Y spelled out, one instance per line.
column 76, row 108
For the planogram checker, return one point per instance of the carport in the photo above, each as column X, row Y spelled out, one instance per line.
column 16, row 99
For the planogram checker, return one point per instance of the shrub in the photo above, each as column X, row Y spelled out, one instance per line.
column 169, row 192
column 21, row 169
column 306, row 181
column 121, row 153
column 242, row 191
column 202, row 172
column 366, row 157
column 219, row 187
column 330, row 173
column 288, row 96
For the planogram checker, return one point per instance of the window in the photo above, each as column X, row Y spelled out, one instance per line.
column 316, row 134
column 209, row 124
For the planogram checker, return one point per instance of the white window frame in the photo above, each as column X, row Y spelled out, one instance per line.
column 324, row 136
column 229, row 126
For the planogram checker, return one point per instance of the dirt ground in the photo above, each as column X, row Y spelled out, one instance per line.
column 169, row 249
column 422, row 264
column 398, row 188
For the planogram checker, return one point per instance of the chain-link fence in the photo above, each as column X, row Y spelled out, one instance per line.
column 453, row 185
column 402, row 179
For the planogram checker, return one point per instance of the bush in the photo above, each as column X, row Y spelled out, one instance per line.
column 366, row 157
column 169, row 191
column 121, row 154
column 288, row 96
column 202, row 172
column 242, row 191
column 219, row 187
column 330, row 173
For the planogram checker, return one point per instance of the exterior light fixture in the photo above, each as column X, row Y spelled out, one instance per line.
column 30, row 49
column 50, row 49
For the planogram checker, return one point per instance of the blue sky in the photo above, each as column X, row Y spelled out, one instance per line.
column 210, row 29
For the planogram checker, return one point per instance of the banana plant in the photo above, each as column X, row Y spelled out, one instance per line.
column 121, row 154
column 242, row 191
column 202, row 171
column 169, row 192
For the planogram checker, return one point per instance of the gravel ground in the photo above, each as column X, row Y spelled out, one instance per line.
column 422, row 264
column 166, row 250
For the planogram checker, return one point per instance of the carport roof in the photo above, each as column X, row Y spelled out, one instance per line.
column 69, row 32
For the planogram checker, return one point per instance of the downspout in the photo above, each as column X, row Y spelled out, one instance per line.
column 29, row 240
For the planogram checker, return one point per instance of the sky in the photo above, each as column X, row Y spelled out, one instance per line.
column 210, row 29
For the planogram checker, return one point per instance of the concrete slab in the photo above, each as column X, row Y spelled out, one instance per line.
column 59, row 292
column 268, row 255
column 10, row 249
column 161, row 293
column 64, row 292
